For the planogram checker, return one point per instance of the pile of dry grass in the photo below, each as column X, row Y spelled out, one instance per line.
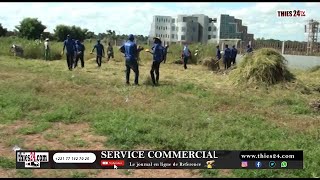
column 210, row 63
column 265, row 66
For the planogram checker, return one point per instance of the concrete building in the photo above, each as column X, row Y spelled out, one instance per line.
column 191, row 29
column 231, row 28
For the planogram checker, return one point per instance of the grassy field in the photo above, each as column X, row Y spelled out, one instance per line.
column 45, row 106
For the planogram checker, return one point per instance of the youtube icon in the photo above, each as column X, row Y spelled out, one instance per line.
column 112, row 163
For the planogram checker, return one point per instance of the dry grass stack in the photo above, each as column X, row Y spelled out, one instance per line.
column 265, row 66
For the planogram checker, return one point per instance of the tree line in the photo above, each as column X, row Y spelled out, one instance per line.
column 32, row 28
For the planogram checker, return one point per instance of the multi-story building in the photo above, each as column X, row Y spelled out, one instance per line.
column 232, row 28
column 183, row 28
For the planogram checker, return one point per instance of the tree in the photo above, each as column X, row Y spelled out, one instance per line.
column 30, row 28
column 61, row 32
column 3, row 31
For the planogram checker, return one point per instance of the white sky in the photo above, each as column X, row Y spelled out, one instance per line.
column 136, row 18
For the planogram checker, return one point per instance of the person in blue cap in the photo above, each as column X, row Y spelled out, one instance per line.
column 129, row 49
column 69, row 45
column 227, row 57
column 158, row 53
column 80, row 48
column 234, row 53
column 100, row 52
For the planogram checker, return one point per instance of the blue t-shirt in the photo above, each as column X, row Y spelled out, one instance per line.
column 130, row 51
column 227, row 53
column 218, row 54
column 69, row 44
column 158, row 52
column 99, row 48
column 234, row 52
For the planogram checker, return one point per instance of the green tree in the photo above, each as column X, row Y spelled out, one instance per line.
column 30, row 28
column 61, row 31
column 3, row 31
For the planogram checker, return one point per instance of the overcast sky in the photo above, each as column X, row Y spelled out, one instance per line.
column 136, row 18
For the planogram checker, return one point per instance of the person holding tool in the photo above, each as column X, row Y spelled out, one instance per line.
column 100, row 52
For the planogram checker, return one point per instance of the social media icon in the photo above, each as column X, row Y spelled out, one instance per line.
column 284, row 164
column 272, row 164
column 244, row 164
column 258, row 164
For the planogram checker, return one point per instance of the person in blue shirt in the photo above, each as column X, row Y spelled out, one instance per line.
column 186, row 54
column 69, row 45
column 234, row 53
column 158, row 53
column 227, row 57
column 249, row 48
column 218, row 56
column 129, row 49
column 100, row 52
column 80, row 48
column 165, row 53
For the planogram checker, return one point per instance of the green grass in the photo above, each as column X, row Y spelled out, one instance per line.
column 192, row 109
column 7, row 163
column 78, row 174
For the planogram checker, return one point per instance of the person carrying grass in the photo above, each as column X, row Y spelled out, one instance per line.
column 129, row 49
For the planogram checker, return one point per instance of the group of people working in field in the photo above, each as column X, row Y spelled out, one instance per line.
column 229, row 55
column 75, row 52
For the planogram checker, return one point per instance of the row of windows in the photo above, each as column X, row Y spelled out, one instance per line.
column 183, row 29
column 183, row 37
column 165, row 20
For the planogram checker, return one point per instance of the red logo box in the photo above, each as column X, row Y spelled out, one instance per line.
column 112, row 162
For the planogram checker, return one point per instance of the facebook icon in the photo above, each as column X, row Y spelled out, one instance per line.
column 258, row 164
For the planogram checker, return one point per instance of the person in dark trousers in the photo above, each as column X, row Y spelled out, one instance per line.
column 186, row 54
column 110, row 51
column 80, row 48
column 165, row 52
column 249, row 49
column 158, row 53
column 69, row 45
column 234, row 53
column 218, row 56
column 227, row 58
column 129, row 49
column 100, row 52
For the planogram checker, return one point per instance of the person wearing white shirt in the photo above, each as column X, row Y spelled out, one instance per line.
column 46, row 49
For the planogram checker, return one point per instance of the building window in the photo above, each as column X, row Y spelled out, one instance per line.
column 166, row 28
column 173, row 28
column 172, row 36
column 173, row 20
column 183, row 37
column 209, row 36
column 184, row 19
column 183, row 29
column 194, row 29
column 214, row 29
column 214, row 36
column 209, row 28
column 157, row 20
